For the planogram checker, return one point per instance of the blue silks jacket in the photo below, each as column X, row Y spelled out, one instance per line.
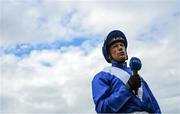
column 111, row 95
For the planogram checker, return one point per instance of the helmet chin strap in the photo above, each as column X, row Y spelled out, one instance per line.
column 121, row 62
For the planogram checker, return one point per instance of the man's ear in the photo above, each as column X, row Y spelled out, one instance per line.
column 110, row 57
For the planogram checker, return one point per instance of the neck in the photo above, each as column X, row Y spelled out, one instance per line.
column 119, row 62
column 124, row 63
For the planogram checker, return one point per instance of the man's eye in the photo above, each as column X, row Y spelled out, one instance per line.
column 114, row 46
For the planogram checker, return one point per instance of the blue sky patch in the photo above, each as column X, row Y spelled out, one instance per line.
column 46, row 64
column 24, row 49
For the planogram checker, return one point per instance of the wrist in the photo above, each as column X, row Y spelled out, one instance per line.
column 128, row 86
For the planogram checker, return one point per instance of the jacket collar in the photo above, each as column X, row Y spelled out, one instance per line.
column 122, row 66
column 119, row 65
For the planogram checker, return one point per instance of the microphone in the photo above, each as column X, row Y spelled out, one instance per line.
column 135, row 65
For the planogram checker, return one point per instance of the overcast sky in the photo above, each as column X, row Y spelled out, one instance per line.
column 51, row 49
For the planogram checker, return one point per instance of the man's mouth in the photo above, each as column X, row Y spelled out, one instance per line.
column 121, row 53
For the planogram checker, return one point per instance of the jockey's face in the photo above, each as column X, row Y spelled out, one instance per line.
column 118, row 52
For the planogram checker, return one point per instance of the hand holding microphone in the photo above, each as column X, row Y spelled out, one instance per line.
column 134, row 83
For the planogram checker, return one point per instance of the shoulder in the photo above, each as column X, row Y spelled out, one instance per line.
column 143, row 81
column 145, row 84
column 103, row 75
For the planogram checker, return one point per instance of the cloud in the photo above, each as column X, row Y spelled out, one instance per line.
column 60, row 80
column 160, row 55
column 60, row 87
column 50, row 51
column 37, row 21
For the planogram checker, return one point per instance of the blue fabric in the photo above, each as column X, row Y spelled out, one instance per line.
column 111, row 95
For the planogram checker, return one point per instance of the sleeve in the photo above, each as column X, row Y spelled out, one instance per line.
column 154, row 103
column 105, row 100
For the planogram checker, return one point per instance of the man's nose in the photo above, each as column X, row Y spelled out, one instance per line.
column 119, row 47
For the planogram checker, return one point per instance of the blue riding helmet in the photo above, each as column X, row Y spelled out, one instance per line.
column 112, row 37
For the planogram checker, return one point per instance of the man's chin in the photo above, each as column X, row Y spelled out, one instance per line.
column 122, row 59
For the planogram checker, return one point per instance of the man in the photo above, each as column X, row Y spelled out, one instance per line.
column 113, row 88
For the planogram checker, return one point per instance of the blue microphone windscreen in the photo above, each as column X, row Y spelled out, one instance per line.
column 135, row 63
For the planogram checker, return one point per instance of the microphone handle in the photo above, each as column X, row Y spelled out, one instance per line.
column 136, row 91
column 135, row 72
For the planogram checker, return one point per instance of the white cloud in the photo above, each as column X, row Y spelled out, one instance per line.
column 37, row 21
column 65, row 86
column 60, row 80
column 160, row 55
column 30, row 86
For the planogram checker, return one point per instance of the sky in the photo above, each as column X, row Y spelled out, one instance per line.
column 50, row 51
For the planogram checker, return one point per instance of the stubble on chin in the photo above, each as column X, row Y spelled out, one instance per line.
column 122, row 59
